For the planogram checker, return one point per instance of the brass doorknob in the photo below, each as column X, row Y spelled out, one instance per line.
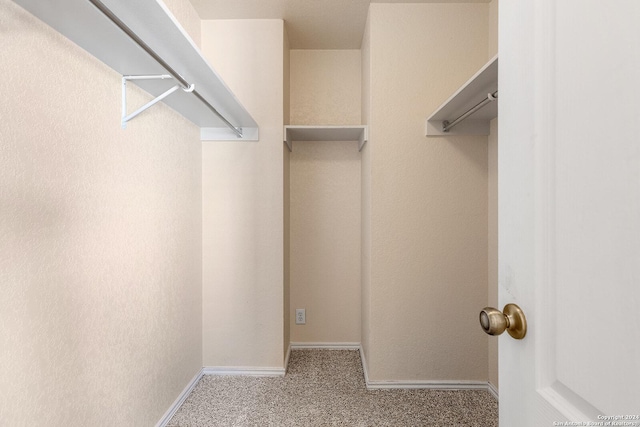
column 511, row 319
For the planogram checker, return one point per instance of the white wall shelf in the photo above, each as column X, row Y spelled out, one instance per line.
column 325, row 133
column 151, row 21
column 475, row 90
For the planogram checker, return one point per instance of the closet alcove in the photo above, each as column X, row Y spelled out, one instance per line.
column 324, row 194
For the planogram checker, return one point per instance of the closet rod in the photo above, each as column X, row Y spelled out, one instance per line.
column 447, row 126
column 185, row 85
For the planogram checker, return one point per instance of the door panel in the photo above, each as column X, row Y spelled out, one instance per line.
column 569, row 173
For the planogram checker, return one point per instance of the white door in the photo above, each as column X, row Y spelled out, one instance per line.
column 569, row 211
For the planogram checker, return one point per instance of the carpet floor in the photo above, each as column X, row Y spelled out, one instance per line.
column 327, row 388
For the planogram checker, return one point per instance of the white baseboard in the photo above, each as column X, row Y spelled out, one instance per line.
column 364, row 365
column 325, row 345
column 244, row 370
column 493, row 390
column 286, row 359
column 434, row 385
column 180, row 400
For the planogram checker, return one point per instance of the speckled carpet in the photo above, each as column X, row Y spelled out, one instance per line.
column 327, row 388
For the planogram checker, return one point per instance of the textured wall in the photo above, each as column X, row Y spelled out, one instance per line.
column 325, row 198
column 325, row 87
column 286, row 311
column 428, row 197
column 365, row 194
column 325, row 241
column 100, row 240
column 243, row 199
column 493, row 28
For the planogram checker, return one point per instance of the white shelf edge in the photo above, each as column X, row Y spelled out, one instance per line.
column 470, row 93
column 358, row 133
column 225, row 134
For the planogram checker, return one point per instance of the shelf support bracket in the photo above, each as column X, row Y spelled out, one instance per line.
column 126, row 117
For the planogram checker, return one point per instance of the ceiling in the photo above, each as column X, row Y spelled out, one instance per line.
column 311, row 24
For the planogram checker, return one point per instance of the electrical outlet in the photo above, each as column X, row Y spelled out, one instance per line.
column 301, row 317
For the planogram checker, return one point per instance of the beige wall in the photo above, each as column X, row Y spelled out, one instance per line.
column 365, row 195
column 325, row 241
column 325, row 87
column 325, row 199
column 242, row 191
column 286, row 310
column 100, row 277
column 428, row 197
column 493, row 29
column 493, row 203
